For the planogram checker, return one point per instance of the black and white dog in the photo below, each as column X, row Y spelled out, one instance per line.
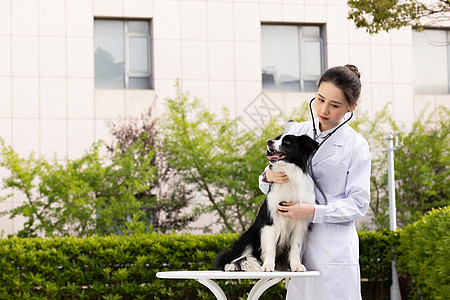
column 274, row 242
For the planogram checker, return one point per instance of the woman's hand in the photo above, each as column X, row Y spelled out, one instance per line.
column 278, row 177
column 296, row 210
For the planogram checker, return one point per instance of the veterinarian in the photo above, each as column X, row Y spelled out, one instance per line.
column 341, row 167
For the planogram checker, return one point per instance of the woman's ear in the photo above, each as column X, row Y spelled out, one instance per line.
column 352, row 108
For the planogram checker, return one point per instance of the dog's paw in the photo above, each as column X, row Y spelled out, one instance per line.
column 268, row 267
column 297, row 267
column 230, row 268
column 250, row 266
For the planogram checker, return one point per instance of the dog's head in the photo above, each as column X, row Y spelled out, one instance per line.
column 288, row 148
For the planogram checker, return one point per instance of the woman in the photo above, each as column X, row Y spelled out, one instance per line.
column 341, row 168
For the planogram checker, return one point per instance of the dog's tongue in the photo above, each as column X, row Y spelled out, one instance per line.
column 276, row 156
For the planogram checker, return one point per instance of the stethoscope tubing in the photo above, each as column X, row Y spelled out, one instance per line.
column 310, row 168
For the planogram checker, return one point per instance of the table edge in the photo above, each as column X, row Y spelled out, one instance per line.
column 214, row 274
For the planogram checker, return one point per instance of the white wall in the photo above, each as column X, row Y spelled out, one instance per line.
column 49, row 103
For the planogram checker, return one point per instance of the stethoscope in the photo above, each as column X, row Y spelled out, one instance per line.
column 311, row 172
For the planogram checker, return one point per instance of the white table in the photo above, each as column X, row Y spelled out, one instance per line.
column 266, row 279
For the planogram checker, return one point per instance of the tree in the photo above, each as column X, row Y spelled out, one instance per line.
column 127, row 175
column 421, row 166
column 213, row 158
column 164, row 202
column 375, row 132
column 85, row 196
column 379, row 15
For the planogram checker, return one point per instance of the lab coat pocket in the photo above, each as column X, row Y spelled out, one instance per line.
column 337, row 174
column 339, row 242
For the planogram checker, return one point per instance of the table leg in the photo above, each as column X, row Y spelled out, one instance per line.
column 261, row 286
column 214, row 287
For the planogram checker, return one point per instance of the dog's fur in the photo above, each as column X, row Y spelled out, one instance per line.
column 274, row 242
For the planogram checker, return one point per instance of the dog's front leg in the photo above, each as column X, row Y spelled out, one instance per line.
column 269, row 242
column 296, row 244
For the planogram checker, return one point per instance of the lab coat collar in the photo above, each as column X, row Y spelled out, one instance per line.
column 330, row 146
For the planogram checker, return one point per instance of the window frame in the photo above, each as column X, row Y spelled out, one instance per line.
column 302, row 41
column 446, row 57
column 302, row 53
column 127, row 35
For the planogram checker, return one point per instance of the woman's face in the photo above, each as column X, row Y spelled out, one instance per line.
column 331, row 105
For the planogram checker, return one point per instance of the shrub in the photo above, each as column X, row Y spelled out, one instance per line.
column 376, row 253
column 211, row 157
column 84, row 196
column 425, row 254
column 125, row 267
column 421, row 164
column 422, row 167
column 166, row 198
column 113, row 267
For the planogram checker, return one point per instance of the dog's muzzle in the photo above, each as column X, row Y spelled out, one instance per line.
column 275, row 156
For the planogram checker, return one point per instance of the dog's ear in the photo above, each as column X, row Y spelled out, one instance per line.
column 315, row 144
column 308, row 143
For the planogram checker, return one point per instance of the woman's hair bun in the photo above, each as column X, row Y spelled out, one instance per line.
column 354, row 69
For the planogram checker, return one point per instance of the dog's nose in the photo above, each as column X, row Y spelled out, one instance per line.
column 269, row 142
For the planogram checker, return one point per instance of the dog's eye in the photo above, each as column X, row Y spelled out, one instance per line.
column 287, row 142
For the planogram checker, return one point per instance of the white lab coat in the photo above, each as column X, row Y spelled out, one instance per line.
column 342, row 168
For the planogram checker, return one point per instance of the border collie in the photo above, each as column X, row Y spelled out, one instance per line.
column 274, row 242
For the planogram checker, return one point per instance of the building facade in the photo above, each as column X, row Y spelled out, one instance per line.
column 69, row 66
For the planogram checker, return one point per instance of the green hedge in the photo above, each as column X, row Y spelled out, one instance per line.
column 424, row 255
column 124, row 267
column 376, row 251
column 112, row 267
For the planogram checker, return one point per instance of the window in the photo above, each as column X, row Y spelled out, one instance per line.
column 292, row 57
column 431, row 61
column 122, row 54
